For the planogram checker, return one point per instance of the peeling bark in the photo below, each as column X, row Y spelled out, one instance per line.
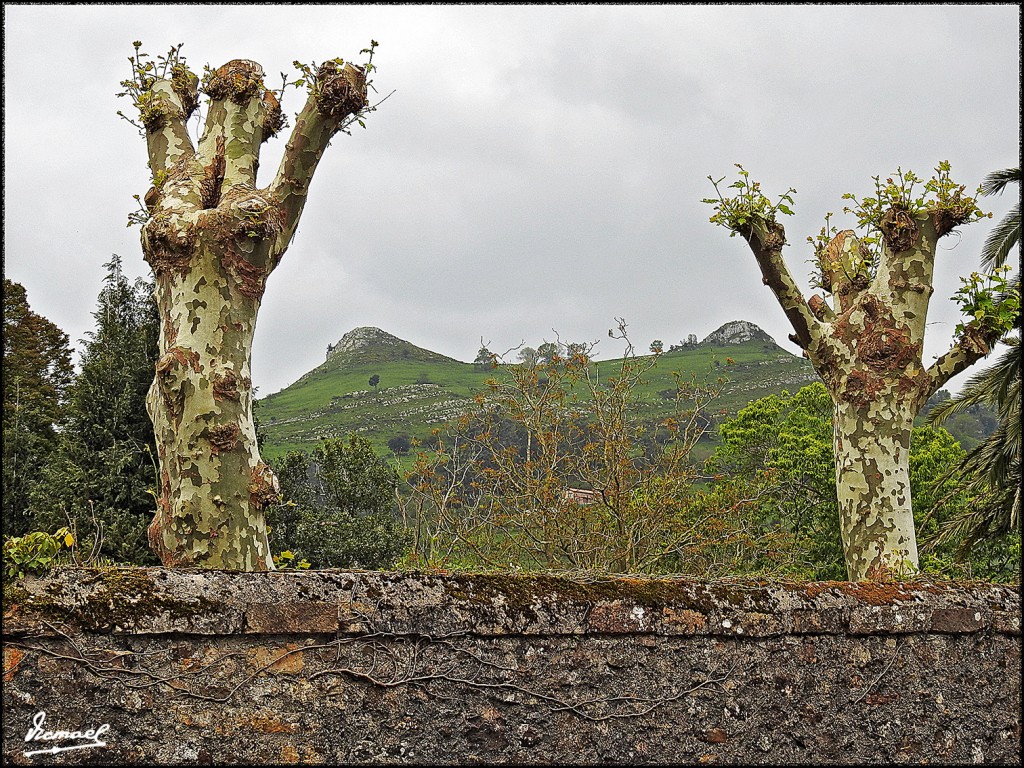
column 212, row 241
column 867, row 348
column 872, row 449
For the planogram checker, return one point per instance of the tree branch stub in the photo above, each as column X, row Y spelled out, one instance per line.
column 336, row 95
column 167, row 136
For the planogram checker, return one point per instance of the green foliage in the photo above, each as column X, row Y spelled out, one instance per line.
column 485, row 360
column 820, row 241
column 546, row 353
column 37, row 374
column 140, row 216
column 948, row 497
column 101, row 476
column 996, row 559
column 749, row 206
column 152, row 108
column 777, row 454
column 933, row 453
column 940, row 195
column 992, row 469
column 339, row 507
column 145, row 74
column 774, row 477
column 852, row 265
column 34, row 553
column 990, row 301
column 286, row 561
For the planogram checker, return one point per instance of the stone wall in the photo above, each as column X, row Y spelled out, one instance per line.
column 187, row 667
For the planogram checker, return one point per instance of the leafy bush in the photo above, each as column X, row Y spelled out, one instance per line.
column 339, row 508
column 552, row 469
column 775, row 476
column 35, row 552
column 400, row 444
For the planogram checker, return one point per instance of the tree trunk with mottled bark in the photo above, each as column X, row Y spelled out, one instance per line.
column 212, row 240
column 867, row 347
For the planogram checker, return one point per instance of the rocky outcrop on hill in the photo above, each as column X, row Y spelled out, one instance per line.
column 736, row 332
column 361, row 338
column 365, row 342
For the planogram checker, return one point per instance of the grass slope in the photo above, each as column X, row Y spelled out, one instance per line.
column 421, row 390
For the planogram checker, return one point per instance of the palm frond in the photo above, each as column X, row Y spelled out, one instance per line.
column 996, row 181
column 991, row 473
column 951, row 407
column 1001, row 240
column 991, row 513
column 1006, row 235
column 995, row 457
column 1004, row 374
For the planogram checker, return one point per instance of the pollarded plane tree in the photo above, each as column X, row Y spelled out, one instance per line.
column 867, row 343
column 212, row 238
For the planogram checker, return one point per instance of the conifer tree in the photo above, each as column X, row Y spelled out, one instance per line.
column 37, row 371
column 102, row 474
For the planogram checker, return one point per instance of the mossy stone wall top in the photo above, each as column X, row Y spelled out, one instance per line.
column 159, row 601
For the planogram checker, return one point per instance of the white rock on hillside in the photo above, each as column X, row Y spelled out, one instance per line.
column 366, row 336
column 736, row 332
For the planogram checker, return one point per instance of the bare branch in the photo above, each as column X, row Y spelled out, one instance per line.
column 337, row 93
column 766, row 239
column 968, row 350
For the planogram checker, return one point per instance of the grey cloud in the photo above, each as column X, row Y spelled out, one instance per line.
column 537, row 168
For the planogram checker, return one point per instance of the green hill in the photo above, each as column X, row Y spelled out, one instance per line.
column 419, row 390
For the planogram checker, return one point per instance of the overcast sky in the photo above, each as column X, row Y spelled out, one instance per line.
column 538, row 168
